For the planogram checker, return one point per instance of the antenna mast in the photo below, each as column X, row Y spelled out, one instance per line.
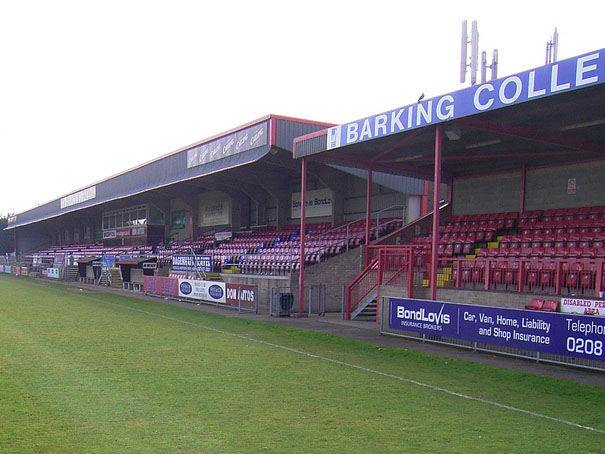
column 474, row 60
column 552, row 47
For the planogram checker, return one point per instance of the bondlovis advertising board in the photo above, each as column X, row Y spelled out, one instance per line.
column 555, row 333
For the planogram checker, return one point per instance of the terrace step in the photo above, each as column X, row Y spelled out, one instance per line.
column 71, row 273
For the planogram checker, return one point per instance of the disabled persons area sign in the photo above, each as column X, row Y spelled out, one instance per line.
column 554, row 333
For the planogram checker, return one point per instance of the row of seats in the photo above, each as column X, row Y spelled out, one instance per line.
column 590, row 239
column 571, row 226
column 543, row 252
column 93, row 249
column 276, row 252
column 536, row 275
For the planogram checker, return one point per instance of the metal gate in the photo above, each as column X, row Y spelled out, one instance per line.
column 283, row 301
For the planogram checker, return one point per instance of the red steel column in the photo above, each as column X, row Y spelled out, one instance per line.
column 368, row 214
column 303, row 228
column 424, row 206
column 522, row 204
column 436, row 184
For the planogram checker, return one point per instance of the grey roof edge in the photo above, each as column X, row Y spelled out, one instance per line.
column 80, row 207
column 271, row 119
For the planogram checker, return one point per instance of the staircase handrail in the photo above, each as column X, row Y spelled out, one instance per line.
column 196, row 268
column 358, row 279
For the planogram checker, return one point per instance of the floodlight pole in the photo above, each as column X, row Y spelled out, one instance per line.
column 436, row 187
column 303, row 228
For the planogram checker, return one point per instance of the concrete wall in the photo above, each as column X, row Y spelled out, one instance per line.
column 263, row 283
column 487, row 194
column 547, row 188
column 334, row 273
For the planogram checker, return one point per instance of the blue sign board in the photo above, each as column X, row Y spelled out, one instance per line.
column 547, row 332
column 566, row 75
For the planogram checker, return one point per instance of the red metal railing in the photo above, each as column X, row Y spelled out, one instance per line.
column 409, row 266
column 396, row 265
column 360, row 287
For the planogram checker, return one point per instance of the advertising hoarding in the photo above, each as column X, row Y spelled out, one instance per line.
column 318, row 203
column 201, row 263
column 202, row 290
column 238, row 142
column 547, row 332
column 241, row 295
column 161, row 285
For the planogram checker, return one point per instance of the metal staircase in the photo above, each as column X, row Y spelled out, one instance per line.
column 367, row 306
column 110, row 277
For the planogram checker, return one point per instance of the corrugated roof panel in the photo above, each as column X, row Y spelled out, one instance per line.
column 311, row 146
column 288, row 129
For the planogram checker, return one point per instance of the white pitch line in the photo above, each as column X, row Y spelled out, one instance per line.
column 355, row 366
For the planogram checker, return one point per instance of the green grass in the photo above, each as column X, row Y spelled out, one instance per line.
column 103, row 373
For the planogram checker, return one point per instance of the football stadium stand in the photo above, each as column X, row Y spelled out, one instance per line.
column 492, row 195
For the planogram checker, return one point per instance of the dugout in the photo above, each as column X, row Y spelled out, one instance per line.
column 133, row 269
column 89, row 269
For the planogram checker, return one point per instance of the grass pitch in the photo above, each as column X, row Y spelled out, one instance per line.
column 102, row 373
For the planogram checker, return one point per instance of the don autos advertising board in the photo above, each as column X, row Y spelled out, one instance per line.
column 547, row 332
column 202, row 290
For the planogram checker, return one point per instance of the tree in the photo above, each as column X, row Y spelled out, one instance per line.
column 6, row 237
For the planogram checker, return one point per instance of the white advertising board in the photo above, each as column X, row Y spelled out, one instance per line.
column 318, row 204
column 215, row 209
column 203, row 290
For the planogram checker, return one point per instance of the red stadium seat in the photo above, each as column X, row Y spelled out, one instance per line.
column 550, row 306
column 535, row 304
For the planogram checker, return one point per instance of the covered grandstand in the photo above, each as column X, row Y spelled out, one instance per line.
column 517, row 220
column 233, row 198
column 523, row 158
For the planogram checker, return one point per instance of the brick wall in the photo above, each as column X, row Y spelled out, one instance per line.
column 334, row 274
